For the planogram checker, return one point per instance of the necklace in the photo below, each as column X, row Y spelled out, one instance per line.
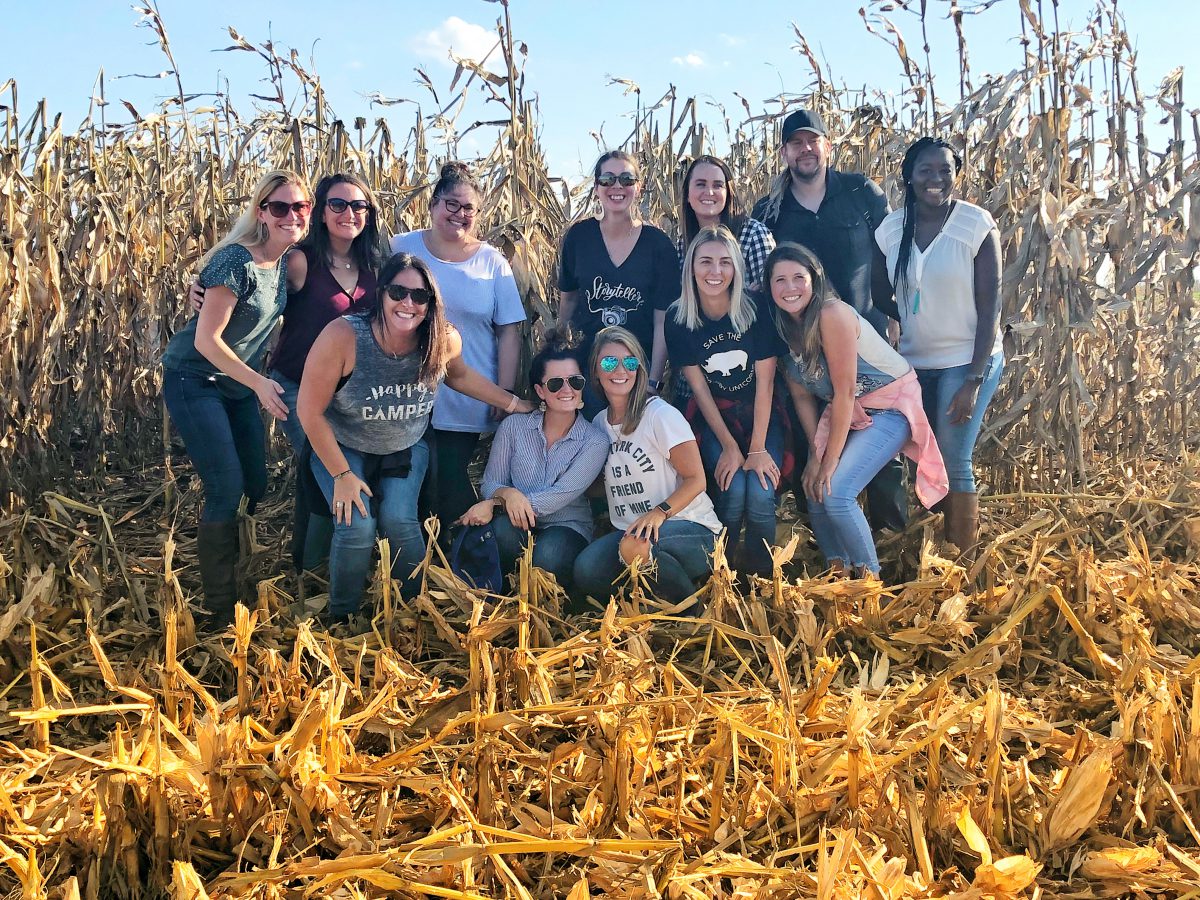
column 338, row 264
column 916, row 299
column 379, row 343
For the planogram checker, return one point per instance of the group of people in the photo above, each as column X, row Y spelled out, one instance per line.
column 774, row 330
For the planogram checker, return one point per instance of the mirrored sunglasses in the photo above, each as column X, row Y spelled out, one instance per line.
column 610, row 363
column 608, row 179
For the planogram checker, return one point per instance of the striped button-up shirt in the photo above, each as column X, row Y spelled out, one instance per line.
column 552, row 478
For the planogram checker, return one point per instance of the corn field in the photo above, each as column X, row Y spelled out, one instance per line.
column 1027, row 727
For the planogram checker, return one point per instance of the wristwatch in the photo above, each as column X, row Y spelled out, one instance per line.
column 665, row 508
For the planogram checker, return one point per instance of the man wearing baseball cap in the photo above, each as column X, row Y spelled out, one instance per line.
column 835, row 215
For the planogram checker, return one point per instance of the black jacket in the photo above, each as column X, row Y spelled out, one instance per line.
column 841, row 233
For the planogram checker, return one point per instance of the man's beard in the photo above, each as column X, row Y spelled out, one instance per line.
column 806, row 177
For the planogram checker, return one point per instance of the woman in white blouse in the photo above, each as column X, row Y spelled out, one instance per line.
column 941, row 257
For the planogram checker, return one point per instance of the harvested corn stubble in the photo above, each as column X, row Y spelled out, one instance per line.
column 810, row 738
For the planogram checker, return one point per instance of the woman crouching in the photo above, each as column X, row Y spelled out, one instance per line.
column 365, row 402
column 653, row 479
column 874, row 406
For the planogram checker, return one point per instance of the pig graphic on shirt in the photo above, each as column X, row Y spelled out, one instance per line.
column 726, row 362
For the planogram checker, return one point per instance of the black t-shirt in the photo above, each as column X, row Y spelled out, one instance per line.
column 625, row 295
column 841, row 233
column 725, row 356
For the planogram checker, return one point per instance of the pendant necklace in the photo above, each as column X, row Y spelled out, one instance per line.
column 916, row 301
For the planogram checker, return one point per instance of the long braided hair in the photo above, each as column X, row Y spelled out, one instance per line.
column 904, row 251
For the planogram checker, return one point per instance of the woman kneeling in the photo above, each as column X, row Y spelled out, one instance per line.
column 365, row 401
column 539, row 467
column 653, row 478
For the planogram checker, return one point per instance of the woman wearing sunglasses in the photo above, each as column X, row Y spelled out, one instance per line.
column 539, row 468
column 727, row 351
column 654, row 481
column 617, row 269
column 211, row 379
column 365, row 402
column 331, row 272
column 483, row 303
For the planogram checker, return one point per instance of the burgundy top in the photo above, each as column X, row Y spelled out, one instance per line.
column 311, row 308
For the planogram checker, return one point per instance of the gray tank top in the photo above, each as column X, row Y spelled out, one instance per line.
column 381, row 407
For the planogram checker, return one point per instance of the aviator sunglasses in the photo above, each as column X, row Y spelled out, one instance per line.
column 420, row 296
column 338, row 205
column 608, row 179
column 279, row 209
column 610, row 363
column 555, row 384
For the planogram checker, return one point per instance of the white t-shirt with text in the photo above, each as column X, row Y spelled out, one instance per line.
column 638, row 474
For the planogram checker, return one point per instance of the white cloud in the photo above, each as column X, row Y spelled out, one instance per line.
column 694, row 60
column 731, row 40
column 464, row 39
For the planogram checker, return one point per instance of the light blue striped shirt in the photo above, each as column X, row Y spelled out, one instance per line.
column 553, row 478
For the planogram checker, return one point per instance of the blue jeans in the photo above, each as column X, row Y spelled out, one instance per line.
column 838, row 521
column 318, row 532
column 957, row 442
column 745, row 501
column 554, row 547
column 682, row 555
column 225, row 439
column 392, row 514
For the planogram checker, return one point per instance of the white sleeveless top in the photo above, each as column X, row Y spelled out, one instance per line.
column 937, row 305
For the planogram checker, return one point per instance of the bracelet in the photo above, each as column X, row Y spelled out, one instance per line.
column 752, row 452
column 341, row 475
column 653, row 385
column 512, row 404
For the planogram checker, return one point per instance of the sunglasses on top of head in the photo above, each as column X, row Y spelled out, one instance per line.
column 610, row 363
column 279, row 209
column 625, row 179
column 555, row 384
column 420, row 296
column 338, row 205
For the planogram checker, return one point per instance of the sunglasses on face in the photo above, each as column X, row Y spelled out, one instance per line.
column 279, row 209
column 555, row 384
column 610, row 363
column 625, row 179
column 338, row 205
column 454, row 206
column 419, row 296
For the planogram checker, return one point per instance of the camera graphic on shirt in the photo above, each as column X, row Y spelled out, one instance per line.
column 613, row 315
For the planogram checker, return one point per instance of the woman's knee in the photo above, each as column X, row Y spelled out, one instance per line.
column 359, row 533
column 223, row 490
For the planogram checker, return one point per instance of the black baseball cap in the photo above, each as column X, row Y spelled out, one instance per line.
column 803, row 120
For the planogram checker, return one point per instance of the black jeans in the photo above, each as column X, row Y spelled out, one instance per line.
column 450, row 490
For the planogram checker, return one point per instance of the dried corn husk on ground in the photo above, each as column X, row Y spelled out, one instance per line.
column 1030, row 729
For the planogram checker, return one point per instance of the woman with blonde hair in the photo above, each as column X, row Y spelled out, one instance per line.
column 653, row 479
column 212, row 382
column 727, row 350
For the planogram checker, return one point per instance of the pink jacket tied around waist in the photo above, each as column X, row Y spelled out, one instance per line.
column 904, row 396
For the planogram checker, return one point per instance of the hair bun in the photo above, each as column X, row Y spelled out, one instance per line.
column 455, row 169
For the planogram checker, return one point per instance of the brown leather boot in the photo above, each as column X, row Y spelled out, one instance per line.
column 962, row 521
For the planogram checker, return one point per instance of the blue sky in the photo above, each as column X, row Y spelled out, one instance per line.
column 706, row 49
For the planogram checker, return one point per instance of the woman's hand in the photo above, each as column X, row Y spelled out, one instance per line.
column 348, row 495
column 763, row 465
column 517, row 507
column 962, row 404
column 728, row 465
column 479, row 514
column 195, row 296
column 269, row 395
column 646, row 526
column 818, row 477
